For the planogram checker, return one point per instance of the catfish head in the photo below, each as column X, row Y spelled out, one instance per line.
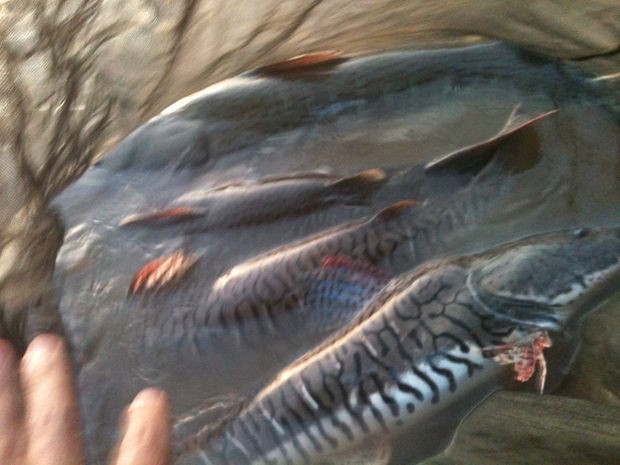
column 549, row 281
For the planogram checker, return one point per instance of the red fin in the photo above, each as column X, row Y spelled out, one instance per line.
column 355, row 266
column 161, row 271
column 163, row 217
column 472, row 154
column 300, row 64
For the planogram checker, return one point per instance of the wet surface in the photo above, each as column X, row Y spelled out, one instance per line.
column 563, row 172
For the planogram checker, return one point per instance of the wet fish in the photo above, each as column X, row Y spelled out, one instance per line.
column 264, row 287
column 123, row 342
column 251, row 108
column 417, row 353
column 270, row 284
column 266, row 201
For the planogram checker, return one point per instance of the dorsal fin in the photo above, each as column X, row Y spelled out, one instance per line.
column 394, row 210
column 301, row 66
column 480, row 153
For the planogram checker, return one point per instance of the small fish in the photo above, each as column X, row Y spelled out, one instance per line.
column 270, row 200
column 261, row 288
column 417, row 353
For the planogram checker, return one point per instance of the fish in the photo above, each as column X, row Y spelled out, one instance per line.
column 140, row 302
column 416, row 353
column 261, row 287
column 266, row 201
column 269, row 284
column 248, row 109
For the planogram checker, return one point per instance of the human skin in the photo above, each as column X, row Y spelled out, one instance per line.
column 39, row 418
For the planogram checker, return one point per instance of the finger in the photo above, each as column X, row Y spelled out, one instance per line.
column 11, row 427
column 147, row 439
column 52, row 421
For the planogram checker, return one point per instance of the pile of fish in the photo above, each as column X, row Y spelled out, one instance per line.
column 335, row 259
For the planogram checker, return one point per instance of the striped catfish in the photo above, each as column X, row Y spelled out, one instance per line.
column 427, row 348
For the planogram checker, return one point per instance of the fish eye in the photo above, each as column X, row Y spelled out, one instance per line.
column 580, row 233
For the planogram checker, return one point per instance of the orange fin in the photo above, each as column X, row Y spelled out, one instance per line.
column 358, row 188
column 301, row 65
column 161, row 271
column 477, row 153
column 162, row 217
column 394, row 210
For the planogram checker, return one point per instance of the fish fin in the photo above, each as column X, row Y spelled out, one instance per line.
column 357, row 189
column 192, row 430
column 301, row 66
column 166, row 217
column 561, row 356
column 340, row 288
column 434, row 434
column 479, row 154
column 298, row 175
column 161, row 271
column 396, row 209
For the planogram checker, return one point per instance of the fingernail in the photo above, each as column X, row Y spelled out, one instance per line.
column 146, row 398
column 43, row 351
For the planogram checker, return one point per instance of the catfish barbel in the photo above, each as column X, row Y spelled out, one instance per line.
column 417, row 352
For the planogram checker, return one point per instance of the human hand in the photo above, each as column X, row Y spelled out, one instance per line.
column 39, row 420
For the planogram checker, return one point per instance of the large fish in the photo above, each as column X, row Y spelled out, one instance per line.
column 426, row 348
column 257, row 106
